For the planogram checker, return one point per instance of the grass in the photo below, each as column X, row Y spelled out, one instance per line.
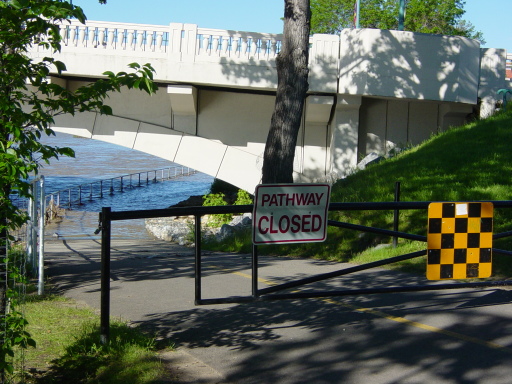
column 472, row 162
column 68, row 348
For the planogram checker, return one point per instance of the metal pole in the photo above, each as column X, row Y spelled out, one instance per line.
column 396, row 213
column 401, row 16
column 42, row 204
column 30, row 229
column 358, row 13
column 254, row 270
column 105, row 275
column 198, row 259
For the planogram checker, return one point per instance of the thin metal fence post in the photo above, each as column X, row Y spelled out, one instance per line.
column 101, row 189
column 42, row 207
column 396, row 213
column 80, row 195
column 30, row 228
column 105, row 275
column 255, row 270
column 197, row 234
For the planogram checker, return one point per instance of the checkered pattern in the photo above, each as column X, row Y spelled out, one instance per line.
column 459, row 240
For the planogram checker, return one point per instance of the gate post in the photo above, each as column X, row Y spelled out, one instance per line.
column 197, row 234
column 396, row 213
column 255, row 270
column 105, row 275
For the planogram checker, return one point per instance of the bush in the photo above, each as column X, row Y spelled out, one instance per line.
column 215, row 200
column 219, row 199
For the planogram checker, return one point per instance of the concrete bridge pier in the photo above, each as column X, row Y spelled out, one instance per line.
column 345, row 135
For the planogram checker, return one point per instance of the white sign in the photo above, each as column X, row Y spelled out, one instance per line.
column 290, row 213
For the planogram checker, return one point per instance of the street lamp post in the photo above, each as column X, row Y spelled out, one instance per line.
column 358, row 12
column 401, row 16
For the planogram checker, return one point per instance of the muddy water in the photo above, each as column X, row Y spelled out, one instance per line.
column 96, row 160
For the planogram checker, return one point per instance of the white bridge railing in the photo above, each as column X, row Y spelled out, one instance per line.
column 355, row 62
column 180, row 38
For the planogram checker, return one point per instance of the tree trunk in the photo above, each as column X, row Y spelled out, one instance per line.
column 292, row 74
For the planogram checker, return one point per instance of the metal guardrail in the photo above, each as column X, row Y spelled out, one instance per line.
column 269, row 293
column 81, row 194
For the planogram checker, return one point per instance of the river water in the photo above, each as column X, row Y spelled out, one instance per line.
column 96, row 160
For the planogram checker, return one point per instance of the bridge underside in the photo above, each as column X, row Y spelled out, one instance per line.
column 222, row 132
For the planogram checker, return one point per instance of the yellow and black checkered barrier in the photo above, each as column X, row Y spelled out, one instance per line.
column 459, row 240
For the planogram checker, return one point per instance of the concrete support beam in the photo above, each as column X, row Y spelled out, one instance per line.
column 59, row 81
column 183, row 99
column 344, row 134
column 451, row 115
column 318, row 109
column 492, row 70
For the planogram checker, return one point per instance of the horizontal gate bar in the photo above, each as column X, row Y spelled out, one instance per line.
column 501, row 235
column 353, row 292
column 502, row 252
column 190, row 211
column 380, row 231
column 341, row 272
column 374, row 206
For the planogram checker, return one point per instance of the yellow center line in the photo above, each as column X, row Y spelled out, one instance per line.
column 398, row 319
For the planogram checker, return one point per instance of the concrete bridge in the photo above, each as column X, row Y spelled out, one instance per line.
column 370, row 91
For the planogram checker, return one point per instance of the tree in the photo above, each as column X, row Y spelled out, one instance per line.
column 292, row 72
column 29, row 102
column 427, row 16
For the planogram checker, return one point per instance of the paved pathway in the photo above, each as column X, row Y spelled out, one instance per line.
column 457, row 336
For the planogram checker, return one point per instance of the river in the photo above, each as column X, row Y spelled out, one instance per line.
column 96, row 160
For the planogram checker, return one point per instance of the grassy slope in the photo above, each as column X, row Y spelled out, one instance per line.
column 473, row 162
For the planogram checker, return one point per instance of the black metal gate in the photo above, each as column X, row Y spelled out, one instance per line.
column 270, row 293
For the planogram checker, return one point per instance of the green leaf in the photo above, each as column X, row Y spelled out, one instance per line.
column 60, row 66
column 106, row 110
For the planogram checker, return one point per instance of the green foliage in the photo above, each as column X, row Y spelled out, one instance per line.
column 241, row 242
column 68, row 350
column 426, row 16
column 219, row 199
column 13, row 334
column 243, row 198
column 29, row 103
column 215, row 200
column 129, row 357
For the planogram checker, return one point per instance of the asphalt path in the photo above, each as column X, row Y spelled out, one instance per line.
column 450, row 336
